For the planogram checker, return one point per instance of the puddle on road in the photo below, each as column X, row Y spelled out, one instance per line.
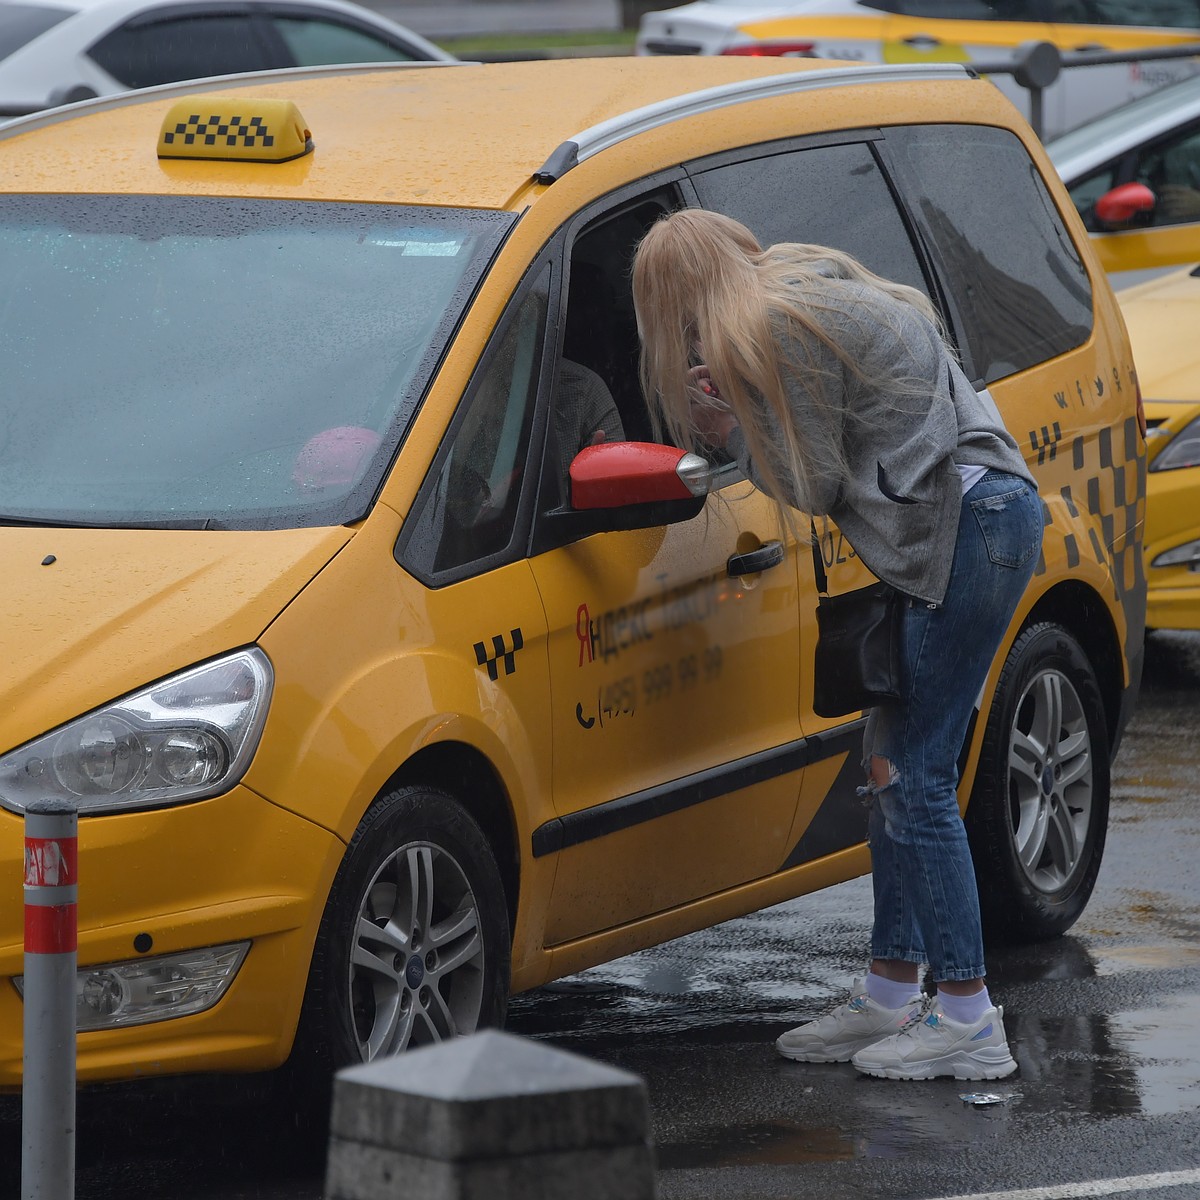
column 931, row 1119
column 780, row 1143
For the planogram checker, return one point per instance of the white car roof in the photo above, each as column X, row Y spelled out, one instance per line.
column 1084, row 149
column 52, row 60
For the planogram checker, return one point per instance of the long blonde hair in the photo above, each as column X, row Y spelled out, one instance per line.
column 701, row 280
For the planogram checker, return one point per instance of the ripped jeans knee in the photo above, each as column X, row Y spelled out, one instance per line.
column 879, row 766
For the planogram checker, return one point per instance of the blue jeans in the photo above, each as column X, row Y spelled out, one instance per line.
column 926, row 905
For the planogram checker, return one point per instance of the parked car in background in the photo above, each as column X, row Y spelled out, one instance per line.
column 1163, row 317
column 377, row 695
column 1134, row 175
column 58, row 51
column 919, row 31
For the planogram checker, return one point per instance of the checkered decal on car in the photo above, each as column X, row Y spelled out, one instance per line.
column 235, row 131
column 1112, row 489
column 500, row 652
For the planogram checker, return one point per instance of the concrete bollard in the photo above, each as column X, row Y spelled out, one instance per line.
column 492, row 1116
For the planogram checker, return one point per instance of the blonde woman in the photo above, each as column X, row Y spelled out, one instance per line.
column 835, row 391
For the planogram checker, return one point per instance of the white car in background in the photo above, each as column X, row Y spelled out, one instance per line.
column 1134, row 175
column 58, row 51
column 922, row 31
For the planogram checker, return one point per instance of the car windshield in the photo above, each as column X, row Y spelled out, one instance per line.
column 217, row 363
column 21, row 23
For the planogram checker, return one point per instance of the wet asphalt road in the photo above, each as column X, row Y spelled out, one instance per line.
column 1105, row 1024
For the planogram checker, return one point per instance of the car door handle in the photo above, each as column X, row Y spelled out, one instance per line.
column 922, row 41
column 768, row 555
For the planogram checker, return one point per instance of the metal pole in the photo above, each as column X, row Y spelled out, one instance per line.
column 1036, row 119
column 48, row 1081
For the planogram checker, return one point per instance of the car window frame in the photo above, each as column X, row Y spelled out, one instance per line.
column 540, row 276
column 555, row 525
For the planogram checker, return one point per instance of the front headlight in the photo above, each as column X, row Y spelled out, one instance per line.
column 1187, row 555
column 187, row 737
column 1183, row 450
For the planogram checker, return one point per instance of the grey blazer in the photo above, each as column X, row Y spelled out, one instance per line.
column 906, row 417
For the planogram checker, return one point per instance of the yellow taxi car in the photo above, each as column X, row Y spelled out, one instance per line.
column 371, row 714
column 1163, row 316
column 914, row 31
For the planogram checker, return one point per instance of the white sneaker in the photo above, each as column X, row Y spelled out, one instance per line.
column 929, row 1044
column 836, row 1036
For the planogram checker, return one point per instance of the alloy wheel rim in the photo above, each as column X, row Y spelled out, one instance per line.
column 1050, row 787
column 416, row 965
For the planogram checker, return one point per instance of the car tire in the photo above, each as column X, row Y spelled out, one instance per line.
column 414, row 945
column 1038, row 814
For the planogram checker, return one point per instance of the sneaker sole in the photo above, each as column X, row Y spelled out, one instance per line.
column 842, row 1055
column 818, row 1056
column 960, row 1067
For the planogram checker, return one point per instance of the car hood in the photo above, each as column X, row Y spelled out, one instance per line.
column 91, row 614
column 1162, row 317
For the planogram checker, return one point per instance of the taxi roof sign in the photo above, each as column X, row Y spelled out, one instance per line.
column 234, row 129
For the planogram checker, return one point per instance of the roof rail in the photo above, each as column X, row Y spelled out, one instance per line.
column 617, row 129
column 52, row 115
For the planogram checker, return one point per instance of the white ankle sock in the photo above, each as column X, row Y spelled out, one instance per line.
column 889, row 993
column 966, row 1010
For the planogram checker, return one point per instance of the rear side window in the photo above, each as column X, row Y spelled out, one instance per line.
column 972, row 10
column 147, row 53
column 20, row 24
column 313, row 42
column 1017, row 288
column 828, row 195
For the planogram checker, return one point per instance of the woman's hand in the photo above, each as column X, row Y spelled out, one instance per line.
column 712, row 418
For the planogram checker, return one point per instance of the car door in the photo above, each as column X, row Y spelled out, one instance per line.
column 673, row 650
column 829, row 191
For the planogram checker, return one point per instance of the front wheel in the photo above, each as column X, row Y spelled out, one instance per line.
column 414, row 945
column 1038, row 813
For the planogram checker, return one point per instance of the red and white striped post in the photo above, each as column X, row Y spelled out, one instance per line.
column 48, row 1082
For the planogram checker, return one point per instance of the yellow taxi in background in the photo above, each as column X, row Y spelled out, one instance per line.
column 391, row 665
column 916, row 31
column 1163, row 316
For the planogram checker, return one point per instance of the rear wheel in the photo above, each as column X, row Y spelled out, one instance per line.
column 1038, row 814
column 414, row 945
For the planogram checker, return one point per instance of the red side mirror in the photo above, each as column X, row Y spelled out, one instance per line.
column 614, row 474
column 1116, row 208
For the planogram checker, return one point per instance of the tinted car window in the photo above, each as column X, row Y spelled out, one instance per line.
column 1170, row 14
column 829, row 195
column 313, row 42
column 470, row 506
column 20, row 24
column 1018, row 288
column 972, row 10
column 144, row 54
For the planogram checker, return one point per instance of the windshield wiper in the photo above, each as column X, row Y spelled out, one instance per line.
column 77, row 523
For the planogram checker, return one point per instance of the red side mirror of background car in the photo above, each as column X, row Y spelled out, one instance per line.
column 1116, row 208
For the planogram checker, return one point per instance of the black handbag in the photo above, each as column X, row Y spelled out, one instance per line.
column 857, row 660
